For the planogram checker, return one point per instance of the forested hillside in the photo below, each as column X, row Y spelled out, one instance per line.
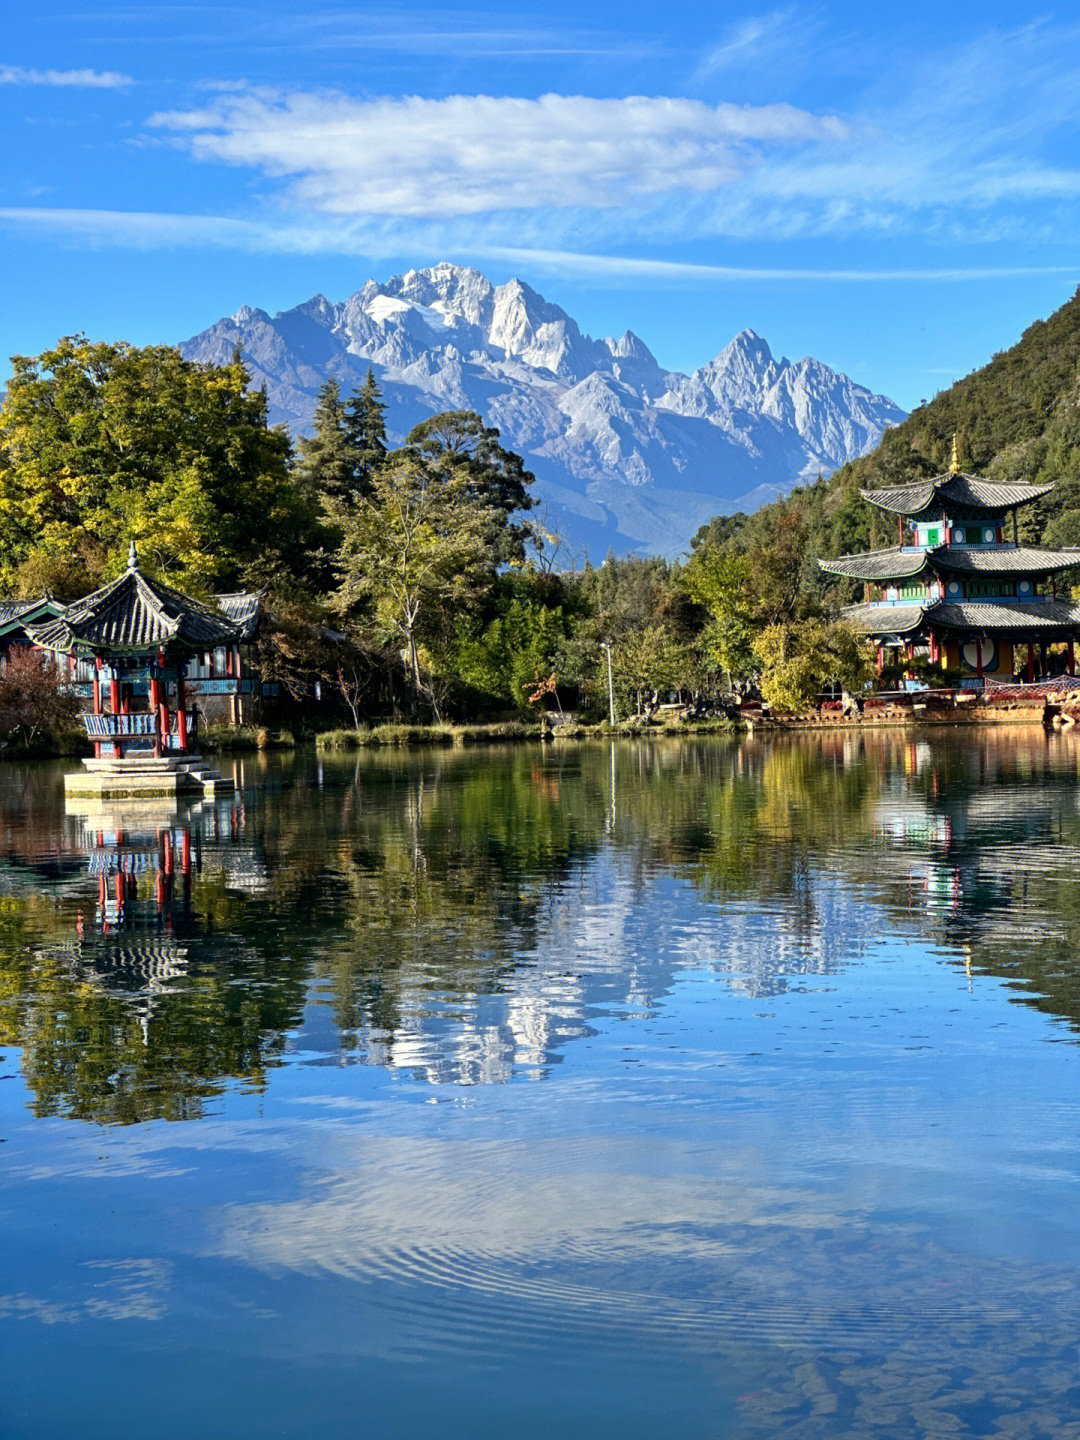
column 1016, row 419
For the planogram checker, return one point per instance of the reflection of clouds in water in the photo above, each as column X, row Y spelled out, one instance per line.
column 673, row 1241
column 111, row 1290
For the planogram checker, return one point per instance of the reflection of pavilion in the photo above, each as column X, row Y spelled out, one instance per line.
column 958, row 841
column 144, row 863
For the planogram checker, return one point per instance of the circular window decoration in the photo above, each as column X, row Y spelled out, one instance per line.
column 988, row 536
column 971, row 651
column 958, row 537
column 1025, row 587
column 954, row 587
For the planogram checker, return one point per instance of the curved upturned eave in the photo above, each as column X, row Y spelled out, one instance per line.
column 893, row 564
column 966, row 493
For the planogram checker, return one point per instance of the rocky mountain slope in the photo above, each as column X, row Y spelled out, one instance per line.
column 627, row 454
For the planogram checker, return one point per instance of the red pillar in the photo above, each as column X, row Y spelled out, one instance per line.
column 181, row 712
column 155, row 710
column 114, row 700
column 978, row 656
column 1072, row 658
column 97, row 697
column 1031, row 661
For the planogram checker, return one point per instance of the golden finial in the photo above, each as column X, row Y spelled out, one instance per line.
column 954, row 458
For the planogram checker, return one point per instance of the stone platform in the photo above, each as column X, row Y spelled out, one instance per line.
column 145, row 777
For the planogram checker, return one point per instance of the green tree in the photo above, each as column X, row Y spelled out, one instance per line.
column 103, row 443
column 365, row 426
column 413, row 550
column 797, row 658
column 326, row 461
column 457, row 443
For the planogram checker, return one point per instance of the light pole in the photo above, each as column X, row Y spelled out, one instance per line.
column 606, row 647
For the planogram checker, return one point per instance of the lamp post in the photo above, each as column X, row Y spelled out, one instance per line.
column 606, row 647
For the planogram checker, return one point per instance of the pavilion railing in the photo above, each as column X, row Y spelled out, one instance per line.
column 111, row 727
column 139, row 726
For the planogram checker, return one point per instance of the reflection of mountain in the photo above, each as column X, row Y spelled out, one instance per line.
column 465, row 916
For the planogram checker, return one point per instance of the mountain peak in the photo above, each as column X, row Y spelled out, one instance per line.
column 626, row 453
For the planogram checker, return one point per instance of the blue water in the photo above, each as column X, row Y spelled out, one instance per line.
column 471, row 1094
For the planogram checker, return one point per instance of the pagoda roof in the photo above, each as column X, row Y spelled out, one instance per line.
column 892, row 564
column 134, row 616
column 960, row 493
column 885, row 619
column 1041, row 616
column 1031, row 617
column 899, row 563
column 1003, row 560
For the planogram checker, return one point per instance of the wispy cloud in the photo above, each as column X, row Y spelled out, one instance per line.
column 750, row 40
column 80, row 79
column 317, row 235
column 471, row 154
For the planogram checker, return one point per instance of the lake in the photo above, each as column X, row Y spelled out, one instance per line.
column 722, row 1088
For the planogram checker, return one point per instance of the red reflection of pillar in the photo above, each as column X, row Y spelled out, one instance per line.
column 185, row 852
column 1031, row 661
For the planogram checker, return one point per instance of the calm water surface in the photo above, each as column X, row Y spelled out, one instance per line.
column 671, row 1090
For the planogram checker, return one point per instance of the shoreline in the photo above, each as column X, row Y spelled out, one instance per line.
column 403, row 736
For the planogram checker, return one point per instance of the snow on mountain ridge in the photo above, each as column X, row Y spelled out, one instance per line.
column 626, row 453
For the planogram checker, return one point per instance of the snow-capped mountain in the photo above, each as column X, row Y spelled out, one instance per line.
column 626, row 453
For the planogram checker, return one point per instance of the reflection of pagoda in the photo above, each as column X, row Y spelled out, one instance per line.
column 954, row 587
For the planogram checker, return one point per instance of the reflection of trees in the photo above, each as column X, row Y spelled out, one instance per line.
column 145, row 1013
column 470, row 904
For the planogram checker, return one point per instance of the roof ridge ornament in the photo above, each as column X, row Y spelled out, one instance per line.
column 954, row 458
column 133, row 557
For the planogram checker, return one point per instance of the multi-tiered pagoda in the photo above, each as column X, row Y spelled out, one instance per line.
column 954, row 589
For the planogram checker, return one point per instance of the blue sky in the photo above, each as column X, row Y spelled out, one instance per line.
column 897, row 195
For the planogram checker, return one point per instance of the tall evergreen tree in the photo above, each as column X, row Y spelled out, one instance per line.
column 365, row 426
column 325, row 467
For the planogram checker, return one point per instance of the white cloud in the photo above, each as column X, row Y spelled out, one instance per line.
column 473, row 154
column 84, row 79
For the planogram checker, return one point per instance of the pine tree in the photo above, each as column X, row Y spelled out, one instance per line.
column 365, row 427
column 325, row 467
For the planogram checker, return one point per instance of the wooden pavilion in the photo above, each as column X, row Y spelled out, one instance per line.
column 955, row 589
column 139, row 636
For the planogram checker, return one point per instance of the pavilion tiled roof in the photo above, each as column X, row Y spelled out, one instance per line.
column 1006, row 560
column 955, row 491
column 243, row 608
column 135, row 616
column 1039, row 617
column 885, row 619
column 900, row 564
column 892, row 564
